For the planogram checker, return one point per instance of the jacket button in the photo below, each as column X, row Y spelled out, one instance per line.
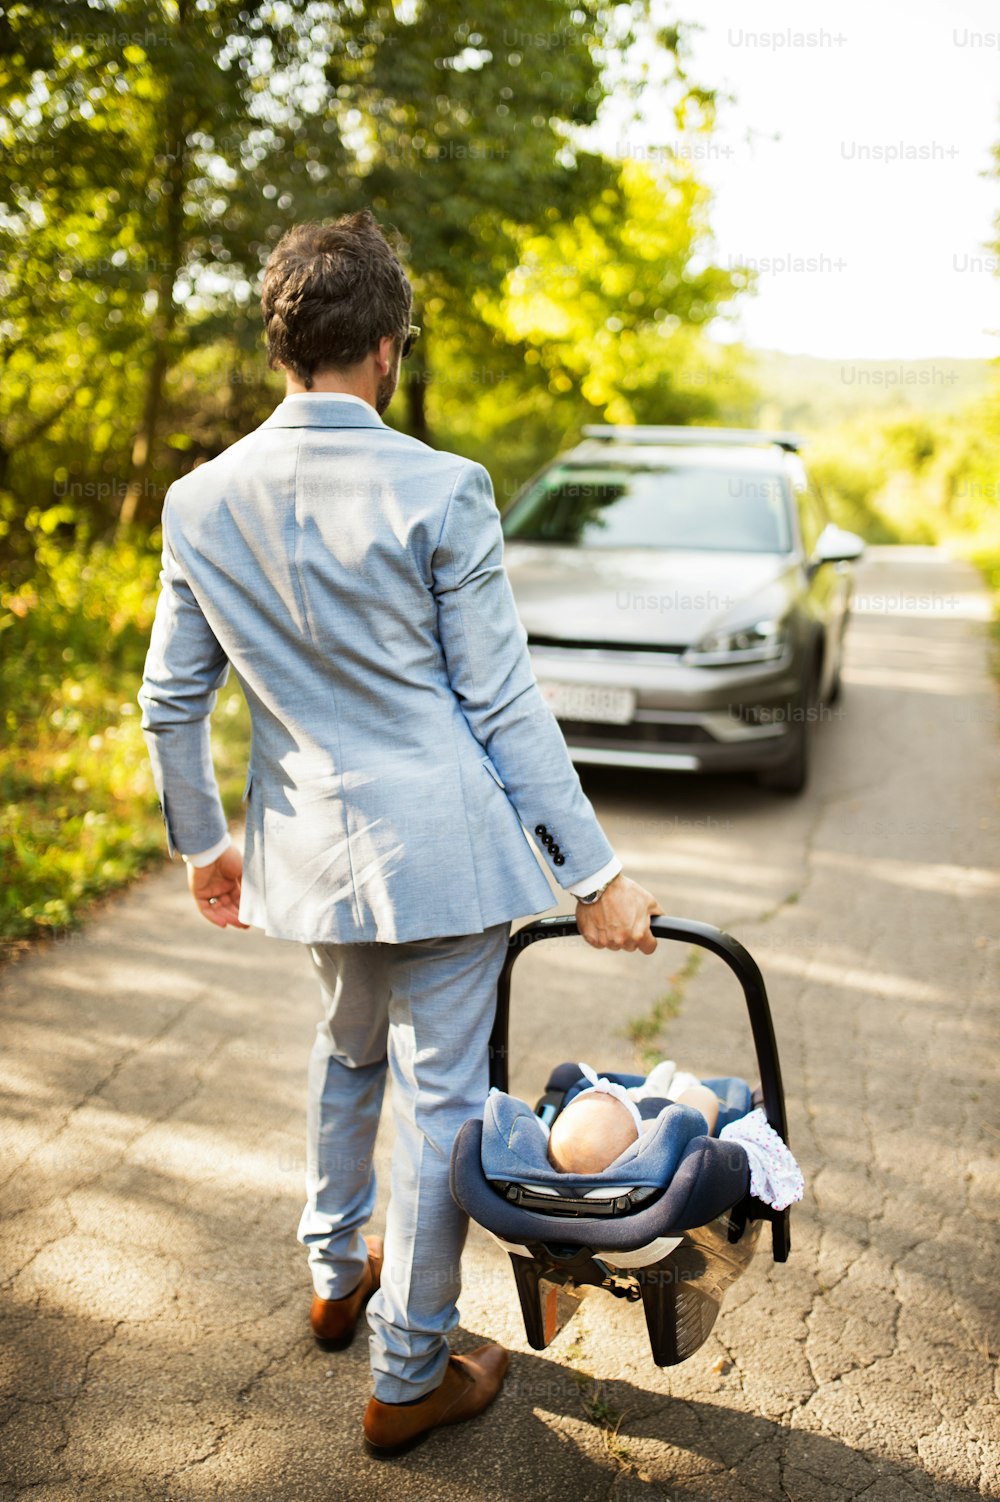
column 559, row 860
column 541, row 830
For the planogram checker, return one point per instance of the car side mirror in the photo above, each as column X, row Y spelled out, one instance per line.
column 835, row 545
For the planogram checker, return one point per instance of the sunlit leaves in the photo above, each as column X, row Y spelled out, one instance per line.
column 159, row 150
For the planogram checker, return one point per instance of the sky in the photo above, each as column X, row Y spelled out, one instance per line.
column 848, row 170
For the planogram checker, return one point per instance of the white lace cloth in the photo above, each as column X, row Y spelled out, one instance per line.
column 775, row 1177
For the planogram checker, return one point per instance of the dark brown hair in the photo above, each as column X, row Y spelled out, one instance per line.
column 330, row 293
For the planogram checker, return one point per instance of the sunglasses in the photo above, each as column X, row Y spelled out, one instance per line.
column 412, row 335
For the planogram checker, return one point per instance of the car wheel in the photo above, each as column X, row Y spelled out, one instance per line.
column 836, row 685
column 791, row 775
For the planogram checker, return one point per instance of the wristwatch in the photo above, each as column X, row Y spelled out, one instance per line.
column 592, row 897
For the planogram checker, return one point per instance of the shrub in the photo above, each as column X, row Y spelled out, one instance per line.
column 80, row 815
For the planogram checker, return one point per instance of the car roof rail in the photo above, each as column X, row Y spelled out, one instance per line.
column 790, row 442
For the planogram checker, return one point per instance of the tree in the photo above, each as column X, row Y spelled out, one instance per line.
column 152, row 154
column 471, row 140
column 155, row 153
column 601, row 318
column 612, row 300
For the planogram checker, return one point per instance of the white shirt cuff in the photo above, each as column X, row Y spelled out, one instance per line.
column 206, row 857
column 605, row 874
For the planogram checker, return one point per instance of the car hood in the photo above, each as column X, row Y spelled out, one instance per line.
column 637, row 595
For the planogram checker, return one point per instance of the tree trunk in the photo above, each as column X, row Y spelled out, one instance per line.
column 136, row 506
column 142, row 503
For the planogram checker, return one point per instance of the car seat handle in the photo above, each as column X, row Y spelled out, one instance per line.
column 684, row 931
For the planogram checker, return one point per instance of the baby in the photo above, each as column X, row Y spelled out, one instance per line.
column 600, row 1123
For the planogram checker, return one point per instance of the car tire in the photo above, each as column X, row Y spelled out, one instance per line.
column 836, row 686
column 791, row 775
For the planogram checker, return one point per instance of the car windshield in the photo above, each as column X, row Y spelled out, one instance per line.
column 667, row 506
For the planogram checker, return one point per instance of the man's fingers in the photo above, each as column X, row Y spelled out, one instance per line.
column 220, row 904
column 629, row 927
column 216, row 890
column 221, row 917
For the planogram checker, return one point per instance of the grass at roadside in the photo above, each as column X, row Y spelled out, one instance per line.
column 79, row 814
column 646, row 1033
column 988, row 563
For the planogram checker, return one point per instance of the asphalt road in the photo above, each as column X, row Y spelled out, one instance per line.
column 154, row 1338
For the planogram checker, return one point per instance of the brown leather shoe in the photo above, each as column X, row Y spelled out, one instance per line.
column 469, row 1385
column 334, row 1321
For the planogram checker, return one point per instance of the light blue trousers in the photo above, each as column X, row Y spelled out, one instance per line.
column 423, row 1010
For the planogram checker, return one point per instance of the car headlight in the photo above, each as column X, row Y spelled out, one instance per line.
column 761, row 641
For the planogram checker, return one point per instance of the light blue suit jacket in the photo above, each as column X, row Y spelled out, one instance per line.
column 353, row 578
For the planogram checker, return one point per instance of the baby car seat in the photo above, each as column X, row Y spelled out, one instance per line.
column 672, row 1221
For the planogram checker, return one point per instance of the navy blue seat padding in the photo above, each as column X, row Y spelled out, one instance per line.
column 736, row 1097
column 515, row 1149
column 710, row 1177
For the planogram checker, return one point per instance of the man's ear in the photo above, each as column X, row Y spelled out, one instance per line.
column 385, row 354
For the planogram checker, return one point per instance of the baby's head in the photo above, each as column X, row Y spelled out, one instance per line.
column 592, row 1131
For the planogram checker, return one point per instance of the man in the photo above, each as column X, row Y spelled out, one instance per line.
column 353, row 578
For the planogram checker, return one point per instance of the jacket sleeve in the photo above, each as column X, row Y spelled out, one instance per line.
column 486, row 653
column 185, row 668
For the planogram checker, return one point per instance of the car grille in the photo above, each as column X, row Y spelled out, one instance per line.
column 596, row 731
column 579, row 644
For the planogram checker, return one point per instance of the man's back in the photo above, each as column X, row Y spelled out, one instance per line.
column 353, row 578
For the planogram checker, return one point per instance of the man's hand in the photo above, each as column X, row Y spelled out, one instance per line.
column 216, row 889
column 620, row 919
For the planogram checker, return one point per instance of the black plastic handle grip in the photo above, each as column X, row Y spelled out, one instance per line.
column 685, row 931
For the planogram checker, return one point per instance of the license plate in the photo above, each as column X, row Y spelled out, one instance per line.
column 582, row 701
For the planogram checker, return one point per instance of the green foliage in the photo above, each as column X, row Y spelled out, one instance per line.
column 987, row 560
column 80, row 815
column 599, row 318
column 921, row 477
column 153, row 153
column 850, row 467
column 467, row 126
column 926, row 477
column 808, row 393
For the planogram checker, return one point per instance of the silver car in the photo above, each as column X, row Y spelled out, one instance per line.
column 685, row 596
